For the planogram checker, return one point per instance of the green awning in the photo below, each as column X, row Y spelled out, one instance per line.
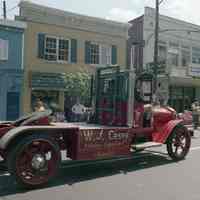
column 53, row 81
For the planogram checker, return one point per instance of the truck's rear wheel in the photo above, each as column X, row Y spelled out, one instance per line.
column 178, row 144
column 34, row 161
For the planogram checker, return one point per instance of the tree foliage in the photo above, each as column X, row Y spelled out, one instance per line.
column 78, row 85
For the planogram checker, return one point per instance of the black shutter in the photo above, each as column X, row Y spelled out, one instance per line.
column 73, row 50
column 114, row 55
column 87, row 52
column 41, row 43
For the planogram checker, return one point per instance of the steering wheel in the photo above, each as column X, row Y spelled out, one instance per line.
column 26, row 119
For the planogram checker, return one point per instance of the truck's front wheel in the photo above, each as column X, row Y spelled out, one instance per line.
column 34, row 160
column 178, row 144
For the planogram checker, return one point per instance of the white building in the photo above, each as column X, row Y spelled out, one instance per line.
column 179, row 52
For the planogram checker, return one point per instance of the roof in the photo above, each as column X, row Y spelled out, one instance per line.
column 149, row 11
column 12, row 23
column 58, row 12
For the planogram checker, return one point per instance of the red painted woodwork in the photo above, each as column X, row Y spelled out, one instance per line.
column 4, row 128
column 160, row 135
column 138, row 114
column 100, row 143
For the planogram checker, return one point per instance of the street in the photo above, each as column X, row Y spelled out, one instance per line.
column 148, row 175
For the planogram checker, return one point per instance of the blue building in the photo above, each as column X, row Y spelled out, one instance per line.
column 11, row 68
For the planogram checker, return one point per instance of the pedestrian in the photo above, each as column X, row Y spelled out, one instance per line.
column 39, row 106
column 195, row 113
column 78, row 111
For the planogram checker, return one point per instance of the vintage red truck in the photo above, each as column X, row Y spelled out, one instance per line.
column 123, row 121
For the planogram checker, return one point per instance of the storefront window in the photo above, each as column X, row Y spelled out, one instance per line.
column 185, row 56
column 162, row 54
column 47, row 97
column 196, row 55
column 181, row 98
column 173, row 54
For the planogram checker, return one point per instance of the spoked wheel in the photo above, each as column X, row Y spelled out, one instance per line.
column 34, row 161
column 178, row 143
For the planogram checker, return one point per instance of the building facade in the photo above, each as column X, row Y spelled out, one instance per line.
column 179, row 55
column 58, row 42
column 11, row 68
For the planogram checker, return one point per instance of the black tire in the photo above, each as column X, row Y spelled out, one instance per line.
column 19, row 150
column 179, row 134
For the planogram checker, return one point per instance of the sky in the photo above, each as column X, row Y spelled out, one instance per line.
column 118, row 10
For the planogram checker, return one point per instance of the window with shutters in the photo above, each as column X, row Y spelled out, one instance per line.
column 106, row 54
column 100, row 54
column 94, row 53
column 196, row 55
column 63, row 54
column 50, row 48
column 4, row 49
column 57, row 49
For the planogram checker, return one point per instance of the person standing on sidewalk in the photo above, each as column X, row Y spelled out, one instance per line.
column 78, row 111
column 39, row 107
column 195, row 113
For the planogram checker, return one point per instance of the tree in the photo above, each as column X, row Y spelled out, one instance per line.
column 77, row 85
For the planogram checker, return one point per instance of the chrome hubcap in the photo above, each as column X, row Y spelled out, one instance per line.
column 38, row 162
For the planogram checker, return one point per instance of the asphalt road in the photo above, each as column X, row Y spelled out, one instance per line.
column 149, row 175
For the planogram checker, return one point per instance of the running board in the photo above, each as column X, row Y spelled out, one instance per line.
column 145, row 145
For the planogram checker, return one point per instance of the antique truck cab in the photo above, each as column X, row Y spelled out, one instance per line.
column 122, row 99
column 124, row 120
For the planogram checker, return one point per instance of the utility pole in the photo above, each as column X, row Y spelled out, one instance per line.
column 4, row 9
column 156, row 46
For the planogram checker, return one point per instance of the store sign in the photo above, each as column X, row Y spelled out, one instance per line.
column 99, row 137
column 194, row 70
column 48, row 80
column 178, row 72
column 173, row 51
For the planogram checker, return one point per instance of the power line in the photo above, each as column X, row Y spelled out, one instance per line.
column 10, row 9
column 13, row 2
column 160, row 1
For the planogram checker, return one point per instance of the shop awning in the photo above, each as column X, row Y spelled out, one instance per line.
column 185, row 81
column 50, row 81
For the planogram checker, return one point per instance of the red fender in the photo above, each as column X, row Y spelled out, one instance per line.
column 165, row 131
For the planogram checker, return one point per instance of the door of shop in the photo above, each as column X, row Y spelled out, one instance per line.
column 181, row 98
column 13, row 99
